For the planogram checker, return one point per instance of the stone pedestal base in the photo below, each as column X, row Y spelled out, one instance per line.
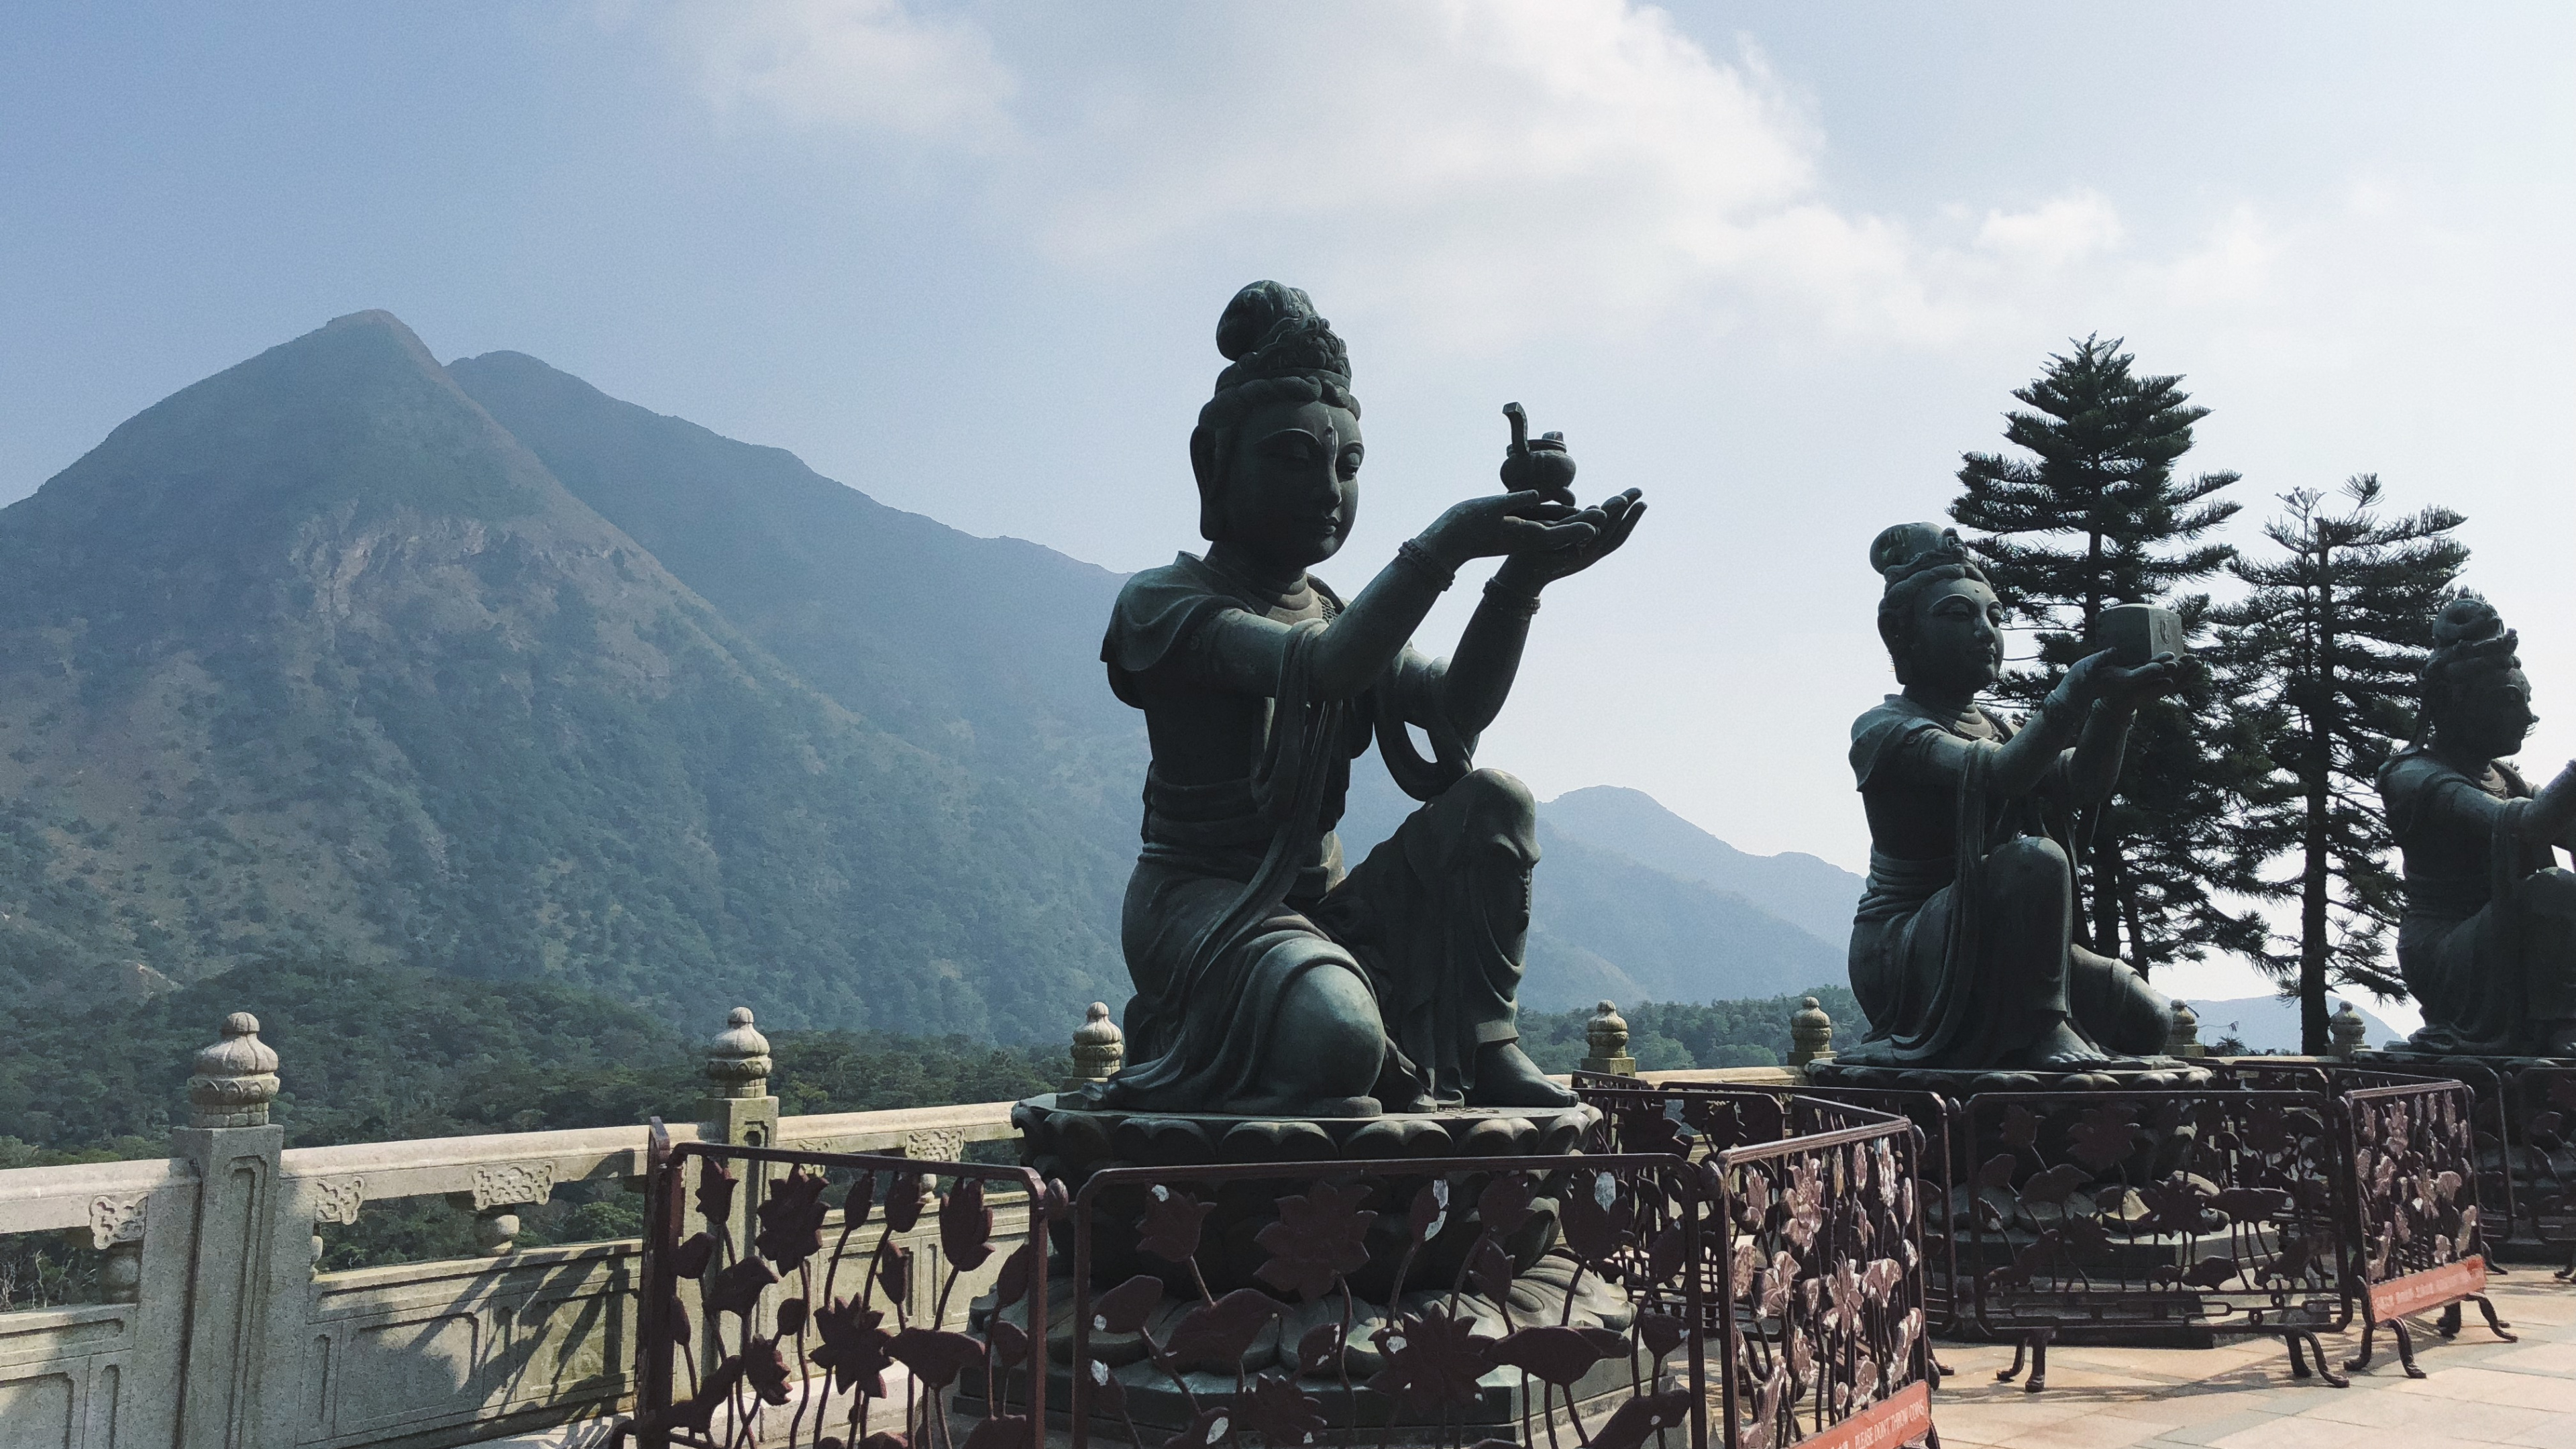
column 2124, row 1074
column 1489, row 1276
column 2462, row 1066
column 1070, row 1144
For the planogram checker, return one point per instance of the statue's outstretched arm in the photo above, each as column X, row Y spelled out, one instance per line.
column 1474, row 684
column 2552, row 816
column 2548, row 818
column 2093, row 766
column 2015, row 767
column 1240, row 650
column 2105, row 698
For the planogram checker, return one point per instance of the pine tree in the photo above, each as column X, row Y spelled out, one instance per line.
column 2322, row 657
column 2095, row 517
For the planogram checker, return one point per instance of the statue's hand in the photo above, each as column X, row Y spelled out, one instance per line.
column 2095, row 677
column 1614, row 518
column 1516, row 524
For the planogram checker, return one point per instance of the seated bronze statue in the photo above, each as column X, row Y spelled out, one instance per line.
column 1963, row 950
column 2488, row 941
column 1268, row 979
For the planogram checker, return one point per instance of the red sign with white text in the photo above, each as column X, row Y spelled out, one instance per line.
column 2429, row 1289
column 1900, row 1420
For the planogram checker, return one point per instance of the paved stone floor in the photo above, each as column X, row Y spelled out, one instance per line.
column 2478, row 1390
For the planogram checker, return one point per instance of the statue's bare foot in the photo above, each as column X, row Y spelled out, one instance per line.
column 2558, row 1038
column 1506, row 1077
column 2061, row 1048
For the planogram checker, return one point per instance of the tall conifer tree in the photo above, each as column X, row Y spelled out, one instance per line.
column 2095, row 517
column 2322, row 658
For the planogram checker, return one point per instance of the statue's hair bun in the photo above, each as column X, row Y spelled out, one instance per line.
column 1895, row 550
column 1270, row 332
column 1252, row 314
column 2467, row 619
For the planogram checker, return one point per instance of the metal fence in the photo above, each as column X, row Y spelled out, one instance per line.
column 2411, row 1148
column 2184, row 1211
column 2538, row 1106
column 1820, row 1258
column 1758, row 1288
column 772, row 1317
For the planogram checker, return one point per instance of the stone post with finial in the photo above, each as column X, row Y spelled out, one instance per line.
column 2182, row 1033
column 251, row 1252
column 1811, row 1033
column 2345, row 1029
column 1605, row 1041
column 738, row 1107
column 1099, row 1048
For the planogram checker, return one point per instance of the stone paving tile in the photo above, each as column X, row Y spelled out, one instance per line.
column 2093, row 1431
column 2317, row 1434
column 2538, row 1358
column 2481, row 1391
column 2435, row 1419
column 2226, row 1426
column 2209, row 1404
column 2486, row 1386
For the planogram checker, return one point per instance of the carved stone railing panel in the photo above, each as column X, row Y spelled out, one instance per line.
column 337, row 1199
column 513, row 1183
column 416, row 1354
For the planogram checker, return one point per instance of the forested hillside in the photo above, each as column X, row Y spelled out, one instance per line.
column 340, row 655
column 315, row 657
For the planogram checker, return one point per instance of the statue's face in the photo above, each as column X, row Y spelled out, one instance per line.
column 1958, row 637
column 1292, row 486
column 2491, row 715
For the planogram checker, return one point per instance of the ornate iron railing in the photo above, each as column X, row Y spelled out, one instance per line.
column 2411, row 1148
column 2186, row 1210
column 2539, row 1106
column 1940, row 1146
column 1699, row 1117
column 1826, row 1335
column 1819, row 1258
column 764, row 1329
column 1467, row 1298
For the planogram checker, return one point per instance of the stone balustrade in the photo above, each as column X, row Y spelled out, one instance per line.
column 218, row 1333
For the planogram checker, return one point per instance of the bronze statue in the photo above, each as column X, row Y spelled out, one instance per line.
column 1268, row 979
column 1963, row 950
column 2488, row 942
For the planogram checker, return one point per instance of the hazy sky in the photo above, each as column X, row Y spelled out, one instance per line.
column 1776, row 264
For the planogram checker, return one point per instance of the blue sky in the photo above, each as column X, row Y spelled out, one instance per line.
column 1777, row 264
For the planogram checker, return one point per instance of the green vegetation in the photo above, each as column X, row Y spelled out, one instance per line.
column 373, row 1054
column 314, row 659
column 1670, row 1035
column 2095, row 516
column 2323, row 658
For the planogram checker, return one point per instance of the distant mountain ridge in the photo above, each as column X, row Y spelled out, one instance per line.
column 343, row 654
column 2271, row 1023
column 1814, row 895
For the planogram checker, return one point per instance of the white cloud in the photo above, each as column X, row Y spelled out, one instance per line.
column 2054, row 234
column 865, row 64
column 2234, row 263
column 1491, row 163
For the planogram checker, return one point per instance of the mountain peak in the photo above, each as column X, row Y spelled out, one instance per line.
column 353, row 420
column 1812, row 894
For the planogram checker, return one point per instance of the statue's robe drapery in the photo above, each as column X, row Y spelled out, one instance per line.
column 2485, row 975
column 1240, row 890
column 1925, row 964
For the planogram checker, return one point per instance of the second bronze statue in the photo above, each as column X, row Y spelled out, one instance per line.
column 1269, row 979
column 1963, row 952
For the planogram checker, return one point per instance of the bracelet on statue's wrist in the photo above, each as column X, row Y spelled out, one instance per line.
column 1523, row 602
column 1412, row 554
